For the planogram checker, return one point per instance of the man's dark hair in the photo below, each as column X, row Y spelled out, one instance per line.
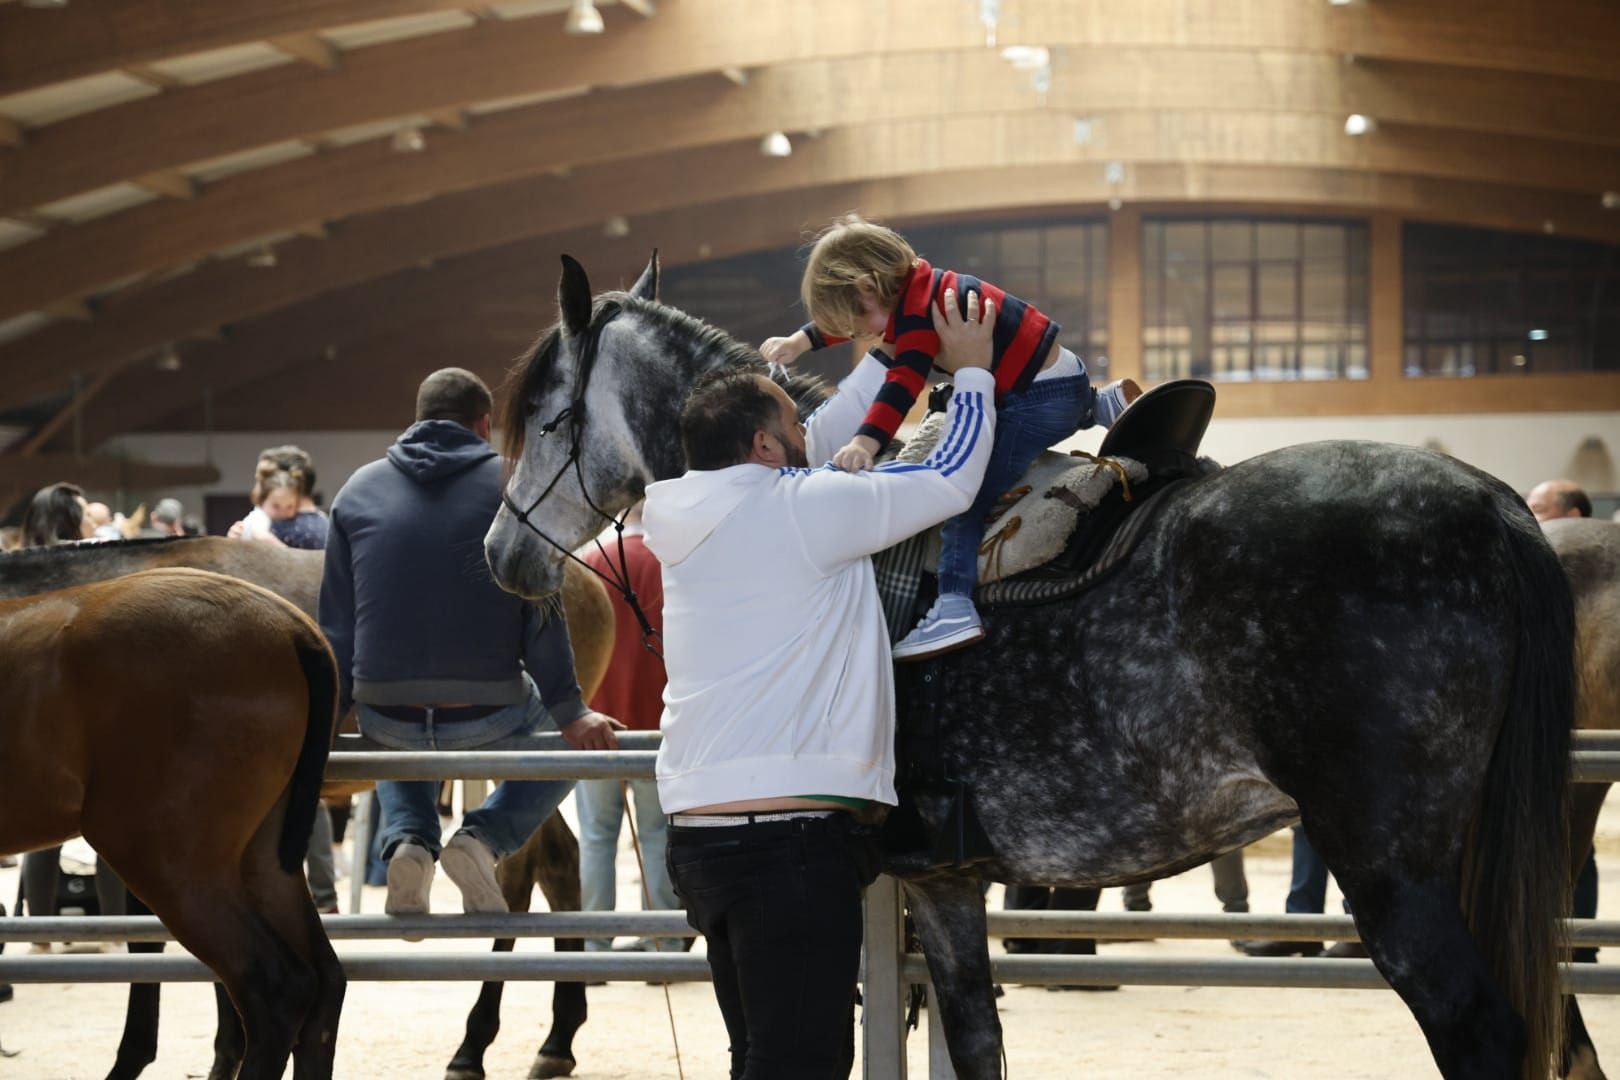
column 55, row 514
column 1570, row 497
column 721, row 415
column 453, row 393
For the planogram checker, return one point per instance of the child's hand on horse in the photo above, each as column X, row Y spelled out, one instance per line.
column 965, row 342
column 857, row 455
column 785, row 350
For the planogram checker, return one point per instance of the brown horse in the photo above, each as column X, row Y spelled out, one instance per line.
column 180, row 721
column 1590, row 554
column 549, row 860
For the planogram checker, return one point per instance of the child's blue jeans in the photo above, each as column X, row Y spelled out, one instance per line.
column 1048, row 412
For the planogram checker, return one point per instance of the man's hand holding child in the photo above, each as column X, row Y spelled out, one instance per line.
column 964, row 342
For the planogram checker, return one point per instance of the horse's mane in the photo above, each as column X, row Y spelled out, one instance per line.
column 52, row 552
column 690, row 335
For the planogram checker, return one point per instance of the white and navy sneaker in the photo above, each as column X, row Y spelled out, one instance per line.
column 952, row 623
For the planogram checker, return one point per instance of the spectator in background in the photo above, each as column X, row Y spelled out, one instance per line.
column 633, row 691
column 164, row 520
column 433, row 654
column 101, row 518
column 274, row 459
column 11, row 538
column 56, row 515
column 1558, row 499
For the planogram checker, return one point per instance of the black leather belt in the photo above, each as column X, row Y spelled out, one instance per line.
column 447, row 714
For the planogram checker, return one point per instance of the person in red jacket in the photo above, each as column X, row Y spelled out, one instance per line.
column 632, row 691
column 865, row 280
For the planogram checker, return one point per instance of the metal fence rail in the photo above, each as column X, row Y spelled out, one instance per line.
column 679, row 967
column 1104, row 926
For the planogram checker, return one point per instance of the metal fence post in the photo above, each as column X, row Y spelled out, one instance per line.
column 359, row 833
column 883, row 995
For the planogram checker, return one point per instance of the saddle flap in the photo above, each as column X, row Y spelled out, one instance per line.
column 1164, row 427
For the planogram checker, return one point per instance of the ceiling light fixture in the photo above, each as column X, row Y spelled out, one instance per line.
column 409, row 141
column 776, row 144
column 583, row 18
column 990, row 16
column 1611, row 200
column 1538, row 335
column 616, row 227
column 263, row 258
column 1357, row 124
column 167, row 360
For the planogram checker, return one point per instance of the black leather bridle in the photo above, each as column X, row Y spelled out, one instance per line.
column 573, row 414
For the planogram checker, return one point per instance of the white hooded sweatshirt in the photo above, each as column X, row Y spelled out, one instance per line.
column 780, row 677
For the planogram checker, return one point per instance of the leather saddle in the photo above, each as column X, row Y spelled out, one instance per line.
column 1163, row 430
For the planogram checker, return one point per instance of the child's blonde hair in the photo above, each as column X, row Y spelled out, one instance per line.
column 276, row 480
column 850, row 255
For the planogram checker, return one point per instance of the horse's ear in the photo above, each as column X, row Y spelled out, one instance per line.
column 646, row 286
column 574, row 297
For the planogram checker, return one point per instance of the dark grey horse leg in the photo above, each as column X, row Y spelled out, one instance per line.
column 230, row 1043
column 551, row 860
column 1414, row 930
column 1579, row 1060
column 138, row 1048
column 949, row 913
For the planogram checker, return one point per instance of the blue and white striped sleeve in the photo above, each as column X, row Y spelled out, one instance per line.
column 847, row 516
column 836, row 422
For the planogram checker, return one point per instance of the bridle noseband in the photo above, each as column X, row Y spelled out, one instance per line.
column 573, row 414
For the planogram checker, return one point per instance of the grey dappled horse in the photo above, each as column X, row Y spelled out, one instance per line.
column 1590, row 553
column 1374, row 639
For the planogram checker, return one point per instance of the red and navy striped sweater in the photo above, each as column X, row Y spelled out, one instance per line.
column 1021, row 339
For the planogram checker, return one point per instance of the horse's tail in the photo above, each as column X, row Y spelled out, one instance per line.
column 1515, row 875
column 304, row 790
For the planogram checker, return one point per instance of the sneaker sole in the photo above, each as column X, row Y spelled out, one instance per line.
column 408, row 884
column 477, row 895
column 950, row 643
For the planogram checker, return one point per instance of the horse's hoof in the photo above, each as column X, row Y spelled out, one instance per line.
column 462, row 1072
column 547, row 1065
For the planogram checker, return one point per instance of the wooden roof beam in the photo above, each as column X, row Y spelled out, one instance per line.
column 1416, row 106
column 310, row 48
column 83, row 39
column 704, row 36
column 173, row 183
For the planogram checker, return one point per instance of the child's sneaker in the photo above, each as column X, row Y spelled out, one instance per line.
column 470, row 863
column 1114, row 399
column 952, row 623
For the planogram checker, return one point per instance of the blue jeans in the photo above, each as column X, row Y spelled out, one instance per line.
column 600, row 804
column 508, row 817
column 1026, row 424
column 1307, row 892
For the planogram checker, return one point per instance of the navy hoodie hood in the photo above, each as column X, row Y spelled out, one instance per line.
column 431, row 450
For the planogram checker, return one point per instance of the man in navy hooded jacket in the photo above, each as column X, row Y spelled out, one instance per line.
column 432, row 653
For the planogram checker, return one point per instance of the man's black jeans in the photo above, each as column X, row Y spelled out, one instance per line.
column 780, row 905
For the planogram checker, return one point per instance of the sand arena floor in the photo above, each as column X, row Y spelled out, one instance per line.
column 410, row 1030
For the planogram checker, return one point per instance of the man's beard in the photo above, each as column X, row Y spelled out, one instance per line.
column 794, row 454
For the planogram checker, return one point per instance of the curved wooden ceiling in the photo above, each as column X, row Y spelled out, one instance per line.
column 1497, row 112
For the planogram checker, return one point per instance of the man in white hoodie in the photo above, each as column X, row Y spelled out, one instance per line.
column 779, row 712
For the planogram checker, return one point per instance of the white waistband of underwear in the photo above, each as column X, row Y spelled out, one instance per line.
column 716, row 821
column 1066, row 366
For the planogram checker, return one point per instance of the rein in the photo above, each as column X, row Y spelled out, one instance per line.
column 573, row 414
